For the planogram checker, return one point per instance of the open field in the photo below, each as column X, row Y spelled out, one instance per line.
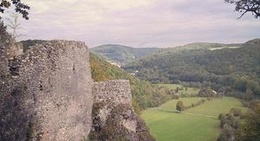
column 196, row 124
column 182, row 90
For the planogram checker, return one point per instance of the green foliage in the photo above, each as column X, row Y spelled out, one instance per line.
column 250, row 130
column 100, row 70
column 236, row 112
column 180, row 106
column 136, row 107
column 230, row 124
column 144, row 94
column 220, row 66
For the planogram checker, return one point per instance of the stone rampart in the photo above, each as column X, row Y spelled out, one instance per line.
column 48, row 94
column 112, row 92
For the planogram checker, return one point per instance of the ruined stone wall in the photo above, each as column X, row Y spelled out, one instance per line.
column 113, row 114
column 48, row 94
column 113, row 92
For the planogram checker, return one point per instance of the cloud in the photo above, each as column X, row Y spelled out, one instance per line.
column 138, row 23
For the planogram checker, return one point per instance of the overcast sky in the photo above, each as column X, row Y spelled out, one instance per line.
column 138, row 23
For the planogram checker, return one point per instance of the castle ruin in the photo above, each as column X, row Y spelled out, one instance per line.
column 47, row 94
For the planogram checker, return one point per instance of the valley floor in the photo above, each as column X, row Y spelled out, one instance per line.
column 199, row 123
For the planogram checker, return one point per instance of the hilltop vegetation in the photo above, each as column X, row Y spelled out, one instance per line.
column 121, row 54
column 232, row 68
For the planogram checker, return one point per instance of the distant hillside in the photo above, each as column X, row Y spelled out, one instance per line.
column 235, row 66
column 121, row 54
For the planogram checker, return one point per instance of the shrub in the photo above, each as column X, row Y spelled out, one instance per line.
column 236, row 112
column 221, row 116
column 180, row 106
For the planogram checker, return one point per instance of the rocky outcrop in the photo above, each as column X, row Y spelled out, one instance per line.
column 47, row 94
column 113, row 116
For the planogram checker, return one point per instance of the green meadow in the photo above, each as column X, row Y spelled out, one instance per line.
column 199, row 123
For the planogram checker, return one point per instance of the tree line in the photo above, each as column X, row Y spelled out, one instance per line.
column 239, row 126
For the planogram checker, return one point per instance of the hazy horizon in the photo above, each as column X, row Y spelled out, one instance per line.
column 145, row 23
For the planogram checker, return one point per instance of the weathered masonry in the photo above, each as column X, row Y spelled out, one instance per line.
column 46, row 95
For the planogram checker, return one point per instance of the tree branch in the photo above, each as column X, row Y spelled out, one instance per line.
column 246, row 6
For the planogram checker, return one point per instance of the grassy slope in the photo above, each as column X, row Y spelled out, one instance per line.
column 196, row 124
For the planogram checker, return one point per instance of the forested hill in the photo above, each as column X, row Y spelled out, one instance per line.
column 121, row 54
column 229, row 66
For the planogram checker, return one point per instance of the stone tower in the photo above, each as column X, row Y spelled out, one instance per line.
column 48, row 94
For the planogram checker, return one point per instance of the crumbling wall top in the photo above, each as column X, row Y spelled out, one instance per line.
column 113, row 92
